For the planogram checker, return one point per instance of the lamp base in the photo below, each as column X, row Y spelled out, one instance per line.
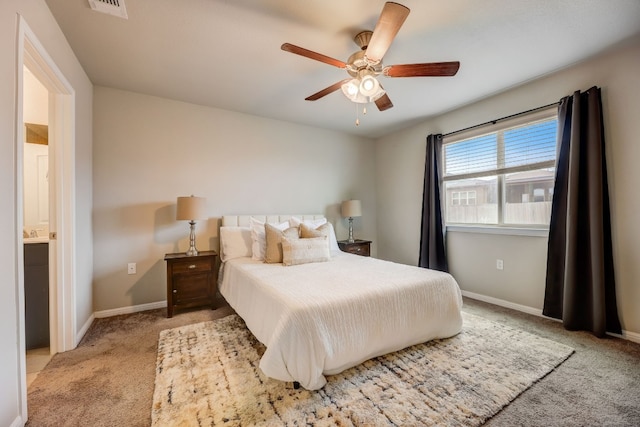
column 192, row 251
column 350, row 239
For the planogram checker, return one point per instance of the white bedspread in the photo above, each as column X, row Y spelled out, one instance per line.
column 323, row 318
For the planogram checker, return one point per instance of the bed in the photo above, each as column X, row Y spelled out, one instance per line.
column 320, row 318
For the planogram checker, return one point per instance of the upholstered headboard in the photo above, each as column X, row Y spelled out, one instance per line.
column 243, row 220
column 241, row 245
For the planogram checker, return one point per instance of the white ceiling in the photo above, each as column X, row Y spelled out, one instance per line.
column 226, row 53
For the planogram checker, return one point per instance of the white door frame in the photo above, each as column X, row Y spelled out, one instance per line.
column 31, row 53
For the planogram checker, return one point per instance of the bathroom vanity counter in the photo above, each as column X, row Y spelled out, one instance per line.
column 41, row 239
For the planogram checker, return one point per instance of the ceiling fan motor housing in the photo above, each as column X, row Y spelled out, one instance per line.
column 357, row 63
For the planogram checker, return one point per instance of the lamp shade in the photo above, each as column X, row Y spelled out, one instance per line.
column 351, row 208
column 190, row 208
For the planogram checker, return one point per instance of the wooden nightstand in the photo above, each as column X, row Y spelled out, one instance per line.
column 359, row 247
column 191, row 280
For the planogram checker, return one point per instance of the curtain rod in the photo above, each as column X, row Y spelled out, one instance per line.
column 493, row 122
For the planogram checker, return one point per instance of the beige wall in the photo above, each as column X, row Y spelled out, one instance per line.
column 148, row 151
column 48, row 33
column 400, row 169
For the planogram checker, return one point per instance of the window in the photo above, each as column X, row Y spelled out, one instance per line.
column 502, row 174
column 464, row 197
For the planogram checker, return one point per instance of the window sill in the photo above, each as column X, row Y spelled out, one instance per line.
column 507, row 231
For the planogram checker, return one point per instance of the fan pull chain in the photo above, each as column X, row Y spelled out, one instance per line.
column 364, row 113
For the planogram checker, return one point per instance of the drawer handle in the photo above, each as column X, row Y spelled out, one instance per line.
column 175, row 291
column 358, row 249
column 192, row 266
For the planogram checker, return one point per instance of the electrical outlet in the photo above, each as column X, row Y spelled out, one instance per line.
column 131, row 268
column 500, row 264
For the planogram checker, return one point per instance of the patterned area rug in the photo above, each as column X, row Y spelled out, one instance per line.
column 207, row 375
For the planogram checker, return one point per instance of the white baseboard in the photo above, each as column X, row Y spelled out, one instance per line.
column 17, row 422
column 630, row 336
column 130, row 309
column 84, row 329
column 503, row 303
column 626, row 335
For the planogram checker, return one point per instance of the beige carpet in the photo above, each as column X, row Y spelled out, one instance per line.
column 207, row 374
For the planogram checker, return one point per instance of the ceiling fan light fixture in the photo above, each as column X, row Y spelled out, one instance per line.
column 364, row 90
column 369, row 86
column 351, row 90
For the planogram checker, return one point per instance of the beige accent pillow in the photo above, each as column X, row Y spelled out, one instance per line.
column 258, row 239
column 307, row 231
column 303, row 251
column 274, row 236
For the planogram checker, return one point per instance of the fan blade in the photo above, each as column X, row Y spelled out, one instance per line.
column 391, row 19
column 432, row 69
column 384, row 103
column 326, row 91
column 288, row 47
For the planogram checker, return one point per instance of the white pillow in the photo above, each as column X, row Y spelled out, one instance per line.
column 333, row 241
column 235, row 242
column 303, row 251
column 315, row 223
column 259, row 239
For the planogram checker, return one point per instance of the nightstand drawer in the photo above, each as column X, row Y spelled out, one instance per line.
column 358, row 247
column 358, row 250
column 192, row 266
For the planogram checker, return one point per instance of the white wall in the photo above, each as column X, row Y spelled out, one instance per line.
column 400, row 170
column 36, row 100
column 46, row 29
column 148, row 151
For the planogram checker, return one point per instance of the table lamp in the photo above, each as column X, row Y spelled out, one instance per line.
column 189, row 209
column 351, row 209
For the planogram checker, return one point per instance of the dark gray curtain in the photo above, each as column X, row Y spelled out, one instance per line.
column 432, row 252
column 580, row 285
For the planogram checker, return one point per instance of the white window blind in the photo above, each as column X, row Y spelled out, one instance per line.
column 525, row 147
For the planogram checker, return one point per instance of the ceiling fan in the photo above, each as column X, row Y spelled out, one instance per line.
column 366, row 64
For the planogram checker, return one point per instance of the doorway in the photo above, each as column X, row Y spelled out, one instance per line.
column 36, row 207
column 61, row 176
